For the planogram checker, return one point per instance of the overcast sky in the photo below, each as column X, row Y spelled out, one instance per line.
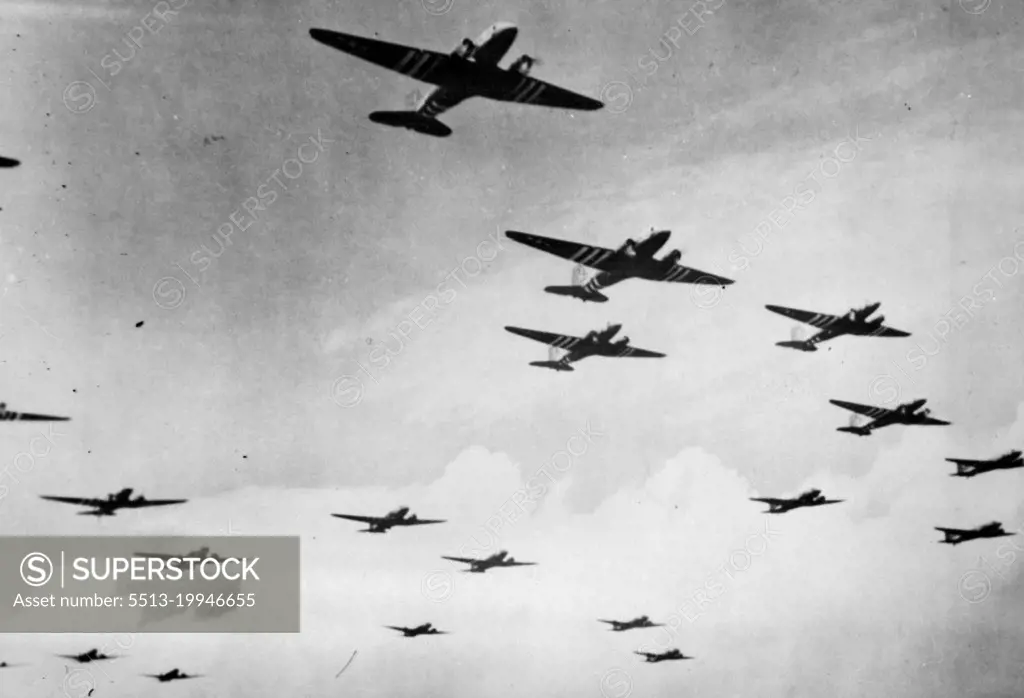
column 904, row 121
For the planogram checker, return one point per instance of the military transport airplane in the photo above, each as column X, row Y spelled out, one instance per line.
column 595, row 343
column 8, row 162
column 620, row 625
column 471, row 70
column 6, row 416
column 633, row 260
column 425, row 629
column 203, row 554
column 113, row 502
column 855, row 322
column 381, row 524
column 810, row 498
column 655, row 657
column 970, row 468
column 92, row 655
column 906, row 413
column 172, row 675
column 955, row 536
column 498, row 559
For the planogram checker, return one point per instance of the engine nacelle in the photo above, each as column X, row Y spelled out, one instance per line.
column 465, row 50
column 878, row 320
column 673, row 256
column 523, row 65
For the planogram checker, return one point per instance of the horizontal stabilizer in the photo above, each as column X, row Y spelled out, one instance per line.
column 554, row 365
column 859, row 431
column 802, row 346
column 411, row 120
column 577, row 292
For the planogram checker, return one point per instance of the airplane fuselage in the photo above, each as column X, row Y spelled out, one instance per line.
column 458, row 80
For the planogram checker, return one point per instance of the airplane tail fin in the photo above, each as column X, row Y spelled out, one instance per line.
column 554, row 365
column 578, row 292
column 411, row 120
column 801, row 345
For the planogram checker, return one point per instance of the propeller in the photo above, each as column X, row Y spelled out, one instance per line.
column 858, row 420
column 580, row 275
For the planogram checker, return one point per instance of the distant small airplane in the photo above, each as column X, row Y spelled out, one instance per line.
column 172, row 675
column 6, row 416
column 854, row 322
column 654, row 658
column 955, row 536
column 471, row 70
column 8, row 162
column 92, row 655
column 906, row 413
column 810, row 498
column 425, row 629
column 203, row 554
column 633, row 260
column 970, row 468
column 620, row 625
column 381, row 524
column 498, row 559
column 595, row 343
column 113, row 502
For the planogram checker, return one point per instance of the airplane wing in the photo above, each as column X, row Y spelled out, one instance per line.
column 831, row 501
column 466, row 560
column 683, row 275
column 884, row 331
column 609, row 622
column 79, row 501
column 964, row 461
column 819, row 320
column 952, row 530
column 421, row 522
column 153, row 503
column 930, row 421
column 587, row 255
column 427, row 66
column 518, row 564
column 30, row 417
column 634, row 352
column 361, row 519
column 510, row 86
column 770, row 500
column 866, row 410
column 395, row 627
column 562, row 341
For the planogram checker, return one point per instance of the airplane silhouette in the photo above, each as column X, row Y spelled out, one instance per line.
column 970, row 468
column 955, row 536
column 667, row 655
column 854, row 322
column 498, row 559
column 906, row 413
column 93, row 655
column 113, row 502
column 810, row 498
column 619, row 626
column 595, row 343
column 381, row 524
column 425, row 629
column 172, row 675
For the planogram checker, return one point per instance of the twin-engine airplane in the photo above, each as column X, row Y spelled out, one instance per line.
column 855, row 322
column 471, row 70
column 970, row 468
column 92, row 655
column 172, row 675
column 596, row 343
column 498, row 559
column 113, row 502
column 619, row 626
column 667, row 655
column 955, row 536
column 810, row 498
column 633, row 260
column 381, row 524
column 425, row 629
column 906, row 413
column 6, row 416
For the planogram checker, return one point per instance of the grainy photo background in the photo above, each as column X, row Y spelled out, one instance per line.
column 249, row 387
